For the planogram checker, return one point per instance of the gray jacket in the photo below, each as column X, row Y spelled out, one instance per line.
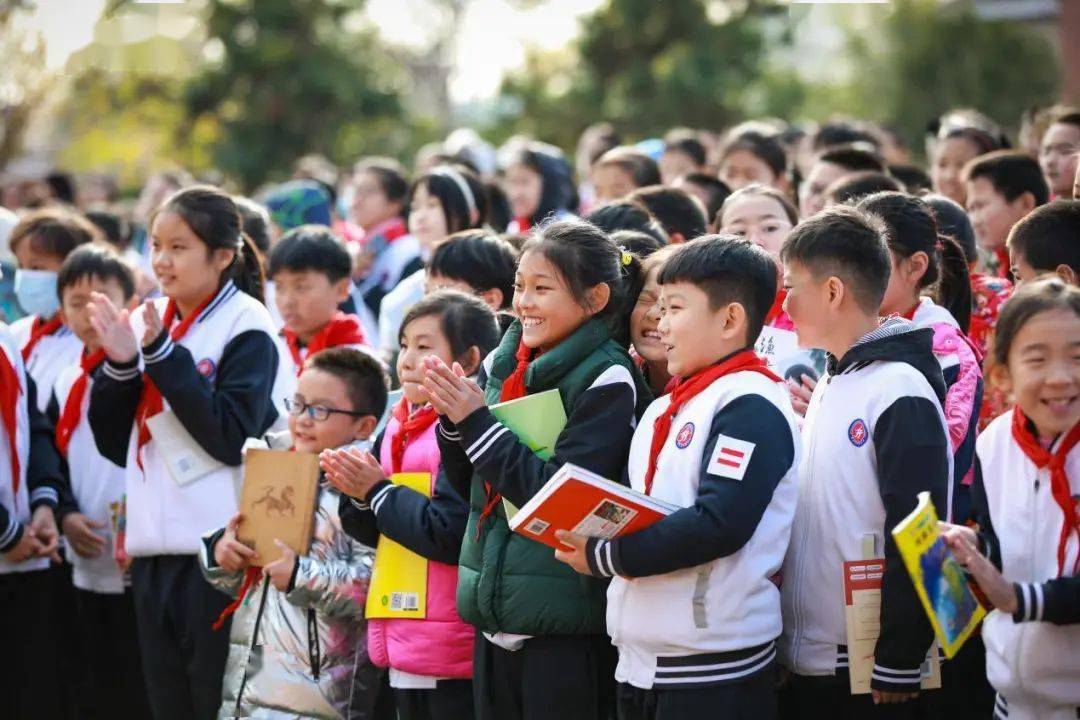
column 319, row 623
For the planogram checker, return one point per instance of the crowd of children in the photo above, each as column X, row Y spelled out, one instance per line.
column 787, row 335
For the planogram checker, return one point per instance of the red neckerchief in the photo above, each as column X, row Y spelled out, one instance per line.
column 1059, row 481
column 1004, row 263
column 150, row 402
column 69, row 418
column 686, row 388
column 910, row 314
column 250, row 576
column 390, row 230
column 523, row 223
column 777, row 306
column 409, row 427
column 10, row 390
column 514, row 385
column 341, row 330
column 39, row 330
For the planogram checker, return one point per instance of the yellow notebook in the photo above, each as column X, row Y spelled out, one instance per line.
column 399, row 579
column 939, row 580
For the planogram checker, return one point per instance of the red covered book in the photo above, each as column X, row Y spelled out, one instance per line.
column 583, row 502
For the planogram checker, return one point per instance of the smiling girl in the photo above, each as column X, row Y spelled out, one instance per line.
column 542, row 651
column 203, row 359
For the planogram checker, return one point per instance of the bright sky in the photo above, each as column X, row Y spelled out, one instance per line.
column 493, row 40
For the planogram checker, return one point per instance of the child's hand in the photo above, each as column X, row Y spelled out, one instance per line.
column 27, row 547
column 800, row 393
column 351, row 471
column 280, row 571
column 884, row 697
column 229, row 553
column 43, row 526
column 998, row 590
column 113, row 328
column 449, row 391
column 575, row 556
column 954, row 534
column 79, row 530
column 153, row 322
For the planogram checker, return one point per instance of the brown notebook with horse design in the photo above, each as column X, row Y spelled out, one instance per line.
column 278, row 501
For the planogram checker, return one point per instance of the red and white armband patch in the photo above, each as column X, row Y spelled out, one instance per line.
column 730, row 457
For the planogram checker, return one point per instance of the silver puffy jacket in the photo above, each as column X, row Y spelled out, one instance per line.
column 319, row 623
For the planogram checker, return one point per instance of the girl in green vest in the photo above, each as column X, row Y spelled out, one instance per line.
column 542, row 650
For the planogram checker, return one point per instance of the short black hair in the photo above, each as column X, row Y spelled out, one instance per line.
column 765, row 148
column 852, row 158
column 677, row 210
column 1065, row 116
column 1030, row 299
column 466, row 321
column 728, row 269
column 625, row 215
column 845, row 132
column 686, row 141
column 852, row 188
column 311, row 247
column 255, row 222
column 112, row 226
column 849, row 244
column 54, row 230
column 95, row 261
column 364, row 376
column 915, row 179
column 714, row 187
column 1049, row 236
column 1012, row 173
column 481, row 259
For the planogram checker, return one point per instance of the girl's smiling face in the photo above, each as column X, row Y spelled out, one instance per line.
column 543, row 302
column 1043, row 371
column 644, row 319
column 420, row 338
column 188, row 271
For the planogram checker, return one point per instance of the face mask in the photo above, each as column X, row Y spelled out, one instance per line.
column 36, row 292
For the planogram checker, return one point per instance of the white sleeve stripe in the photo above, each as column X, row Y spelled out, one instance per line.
column 380, row 497
column 614, row 375
column 161, row 353
column 12, row 528
column 1038, row 590
column 359, row 504
column 482, row 438
column 44, row 493
column 487, row 446
column 896, row 680
column 119, row 374
column 917, row 672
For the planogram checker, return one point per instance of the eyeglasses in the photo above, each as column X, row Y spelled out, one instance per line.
column 318, row 413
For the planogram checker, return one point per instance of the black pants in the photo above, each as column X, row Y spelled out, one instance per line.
column 811, row 698
column 70, row 659
column 753, row 698
column 107, row 626
column 448, row 700
column 183, row 658
column 28, row 679
column 556, row 677
column 965, row 692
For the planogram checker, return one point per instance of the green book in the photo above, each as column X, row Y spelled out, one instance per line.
column 537, row 420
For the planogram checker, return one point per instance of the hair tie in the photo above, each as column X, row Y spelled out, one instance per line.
column 626, row 258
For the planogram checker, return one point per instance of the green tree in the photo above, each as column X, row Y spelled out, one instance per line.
column 294, row 77
column 644, row 65
column 25, row 82
column 932, row 57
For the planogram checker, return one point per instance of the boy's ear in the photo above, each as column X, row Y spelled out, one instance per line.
column 836, row 290
column 493, row 298
column 735, row 321
column 1066, row 273
column 365, row 427
column 341, row 289
column 1000, row 378
column 1026, row 202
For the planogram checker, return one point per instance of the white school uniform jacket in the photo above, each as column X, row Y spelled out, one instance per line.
column 96, row 483
column 39, row 470
column 52, row 354
column 1033, row 656
column 874, row 437
column 218, row 380
column 692, row 602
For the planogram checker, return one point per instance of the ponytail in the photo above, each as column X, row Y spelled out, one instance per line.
column 953, row 291
column 632, row 282
column 246, row 269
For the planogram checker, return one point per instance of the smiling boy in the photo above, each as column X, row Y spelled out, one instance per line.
column 691, row 606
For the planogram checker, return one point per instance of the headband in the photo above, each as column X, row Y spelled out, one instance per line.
column 448, row 172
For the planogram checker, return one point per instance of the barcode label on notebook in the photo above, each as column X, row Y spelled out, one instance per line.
column 404, row 601
column 536, row 526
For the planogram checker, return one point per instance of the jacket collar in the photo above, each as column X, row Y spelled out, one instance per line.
column 546, row 370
